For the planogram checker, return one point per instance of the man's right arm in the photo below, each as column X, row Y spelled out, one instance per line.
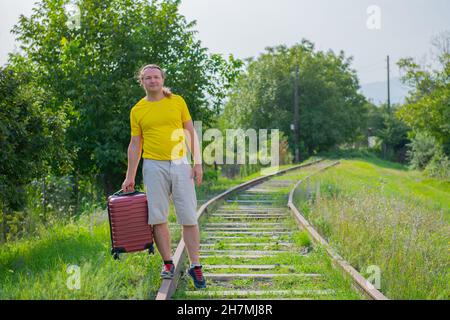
column 134, row 156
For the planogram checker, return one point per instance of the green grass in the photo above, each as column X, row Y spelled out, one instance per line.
column 396, row 180
column 38, row 268
column 377, row 213
column 302, row 239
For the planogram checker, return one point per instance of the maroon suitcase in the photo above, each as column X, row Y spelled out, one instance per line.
column 128, row 221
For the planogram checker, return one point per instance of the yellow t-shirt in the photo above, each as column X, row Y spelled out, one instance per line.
column 160, row 124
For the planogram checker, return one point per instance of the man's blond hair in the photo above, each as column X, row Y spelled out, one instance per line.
column 166, row 91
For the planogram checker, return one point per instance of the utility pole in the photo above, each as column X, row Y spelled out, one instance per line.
column 296, row 116
column 388, row 87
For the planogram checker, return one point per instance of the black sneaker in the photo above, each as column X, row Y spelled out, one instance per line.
column 168, row 271
column 197, row 275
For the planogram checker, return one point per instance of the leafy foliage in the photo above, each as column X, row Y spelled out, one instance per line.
column 331, row 110
column 90, row 69
column 426, row 154
column 428, row 105
column 31, row 139
column 392, row 132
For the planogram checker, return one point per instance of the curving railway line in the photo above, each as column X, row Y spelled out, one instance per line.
column 255, row 244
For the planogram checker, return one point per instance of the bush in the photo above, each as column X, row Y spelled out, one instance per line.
column 421, row 150
column 439, row 166
column 210, row 175
column 427, row 154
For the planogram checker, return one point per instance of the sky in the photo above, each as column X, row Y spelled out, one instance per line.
column 368, row 30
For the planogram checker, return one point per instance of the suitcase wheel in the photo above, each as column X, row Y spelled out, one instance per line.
column 151, row 250
column 116, row 256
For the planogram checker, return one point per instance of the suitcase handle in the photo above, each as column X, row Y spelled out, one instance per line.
column 121, row 193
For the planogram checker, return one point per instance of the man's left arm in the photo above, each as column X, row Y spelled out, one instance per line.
column 194, row 148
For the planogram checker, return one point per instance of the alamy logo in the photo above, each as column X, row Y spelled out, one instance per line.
column 74, row 280
column 374, row 280
column 237, row 146
column 374, row 19
column 73, row 16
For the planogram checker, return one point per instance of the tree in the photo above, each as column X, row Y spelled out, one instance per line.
column 393, row 134
column 31, row 140
column 427, row 107
column 331, row 110
column 88, row 70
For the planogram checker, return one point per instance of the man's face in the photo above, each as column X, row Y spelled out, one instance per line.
column 152, row 80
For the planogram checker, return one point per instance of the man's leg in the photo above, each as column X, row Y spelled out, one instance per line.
column 185, row 202
column 191, row 237
column 157, row 186
column 162, row 239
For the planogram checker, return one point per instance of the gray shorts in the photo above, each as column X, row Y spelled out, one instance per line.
column 163, row 179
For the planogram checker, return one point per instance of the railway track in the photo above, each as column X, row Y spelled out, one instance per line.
column 254, row 247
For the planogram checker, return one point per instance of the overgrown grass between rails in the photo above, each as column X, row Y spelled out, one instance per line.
column 317, row 261
column 393, row 219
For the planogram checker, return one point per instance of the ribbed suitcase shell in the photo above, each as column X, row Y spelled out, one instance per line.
column 128, row 220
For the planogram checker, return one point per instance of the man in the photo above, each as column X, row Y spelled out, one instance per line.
column 160, row 123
